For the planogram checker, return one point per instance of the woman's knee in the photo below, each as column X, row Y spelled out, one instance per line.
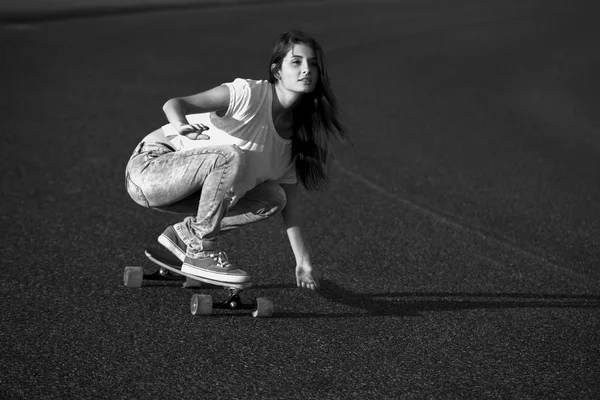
column 135, row 191
column 280, row 197
column 132, row 175
column 271, row 193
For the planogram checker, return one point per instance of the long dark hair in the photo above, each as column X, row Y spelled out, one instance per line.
column 316, row 117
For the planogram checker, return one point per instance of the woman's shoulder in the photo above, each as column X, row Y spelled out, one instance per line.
column 247, row 97
column 249, row 90
column 249, row 84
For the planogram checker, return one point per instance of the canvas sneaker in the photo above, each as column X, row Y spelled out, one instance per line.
column 214, row 266
column 172, row 242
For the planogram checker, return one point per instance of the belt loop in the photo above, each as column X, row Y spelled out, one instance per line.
column 138, row 150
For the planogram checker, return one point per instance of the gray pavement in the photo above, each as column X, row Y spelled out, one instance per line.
column 17, row 11
column 458, row 244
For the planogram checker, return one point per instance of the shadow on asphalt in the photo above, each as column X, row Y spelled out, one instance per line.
column 411, row 304
column 408, row 304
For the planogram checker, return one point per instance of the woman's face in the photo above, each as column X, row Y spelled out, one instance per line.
column 299, row 70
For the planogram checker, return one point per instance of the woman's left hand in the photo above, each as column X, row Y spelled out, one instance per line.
column 306, row 278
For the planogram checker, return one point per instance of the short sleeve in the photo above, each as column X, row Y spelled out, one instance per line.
column 239, row 98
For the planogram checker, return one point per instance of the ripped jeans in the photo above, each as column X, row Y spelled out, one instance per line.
column 199, row 183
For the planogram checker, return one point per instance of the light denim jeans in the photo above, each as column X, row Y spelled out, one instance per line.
column 198, row 183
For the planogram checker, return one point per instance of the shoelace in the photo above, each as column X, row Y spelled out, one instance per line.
column 221, row 259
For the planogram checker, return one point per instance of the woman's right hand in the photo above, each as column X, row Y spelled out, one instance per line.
column 193, row 131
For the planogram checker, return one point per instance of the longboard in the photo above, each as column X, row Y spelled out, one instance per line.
column 201, row 304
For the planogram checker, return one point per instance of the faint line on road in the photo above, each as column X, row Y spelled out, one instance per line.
column 445, row 220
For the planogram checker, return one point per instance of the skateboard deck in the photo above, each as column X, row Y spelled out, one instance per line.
column 201, row 304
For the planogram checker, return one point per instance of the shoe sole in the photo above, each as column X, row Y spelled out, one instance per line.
column 172, row 247
column 215, row 276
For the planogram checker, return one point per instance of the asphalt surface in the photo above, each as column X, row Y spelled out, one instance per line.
column 458, row 244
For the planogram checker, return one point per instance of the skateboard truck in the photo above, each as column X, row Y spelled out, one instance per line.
column 202, row 304
column 234, row 302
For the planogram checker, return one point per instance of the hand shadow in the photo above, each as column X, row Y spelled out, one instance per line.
column 403, row 304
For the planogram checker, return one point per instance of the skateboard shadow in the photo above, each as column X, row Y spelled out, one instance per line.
column 413, row 304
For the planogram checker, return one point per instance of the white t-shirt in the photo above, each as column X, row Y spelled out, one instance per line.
column 248, row 124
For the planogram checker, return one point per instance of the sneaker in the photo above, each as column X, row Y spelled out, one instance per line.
column 214, row 266
column 172, row 242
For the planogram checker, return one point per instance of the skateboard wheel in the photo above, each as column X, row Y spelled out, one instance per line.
column 264, row 308
column 201, row 304
column 191, row 283
column 133, row 276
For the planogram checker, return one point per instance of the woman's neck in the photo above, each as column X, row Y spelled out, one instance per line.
column 284, row 102
column 282, row 112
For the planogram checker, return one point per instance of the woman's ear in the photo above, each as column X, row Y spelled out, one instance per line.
column 275, row 71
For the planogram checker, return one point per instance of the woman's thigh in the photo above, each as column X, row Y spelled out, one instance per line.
column 257, row 204
column 158, row 176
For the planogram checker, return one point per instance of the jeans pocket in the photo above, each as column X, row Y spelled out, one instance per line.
column 155, row 153
column 153, row 150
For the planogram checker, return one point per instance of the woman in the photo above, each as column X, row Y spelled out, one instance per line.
column 234, row 155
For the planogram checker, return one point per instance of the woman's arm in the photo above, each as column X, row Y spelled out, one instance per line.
column 292, row 217
column 176, row 109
